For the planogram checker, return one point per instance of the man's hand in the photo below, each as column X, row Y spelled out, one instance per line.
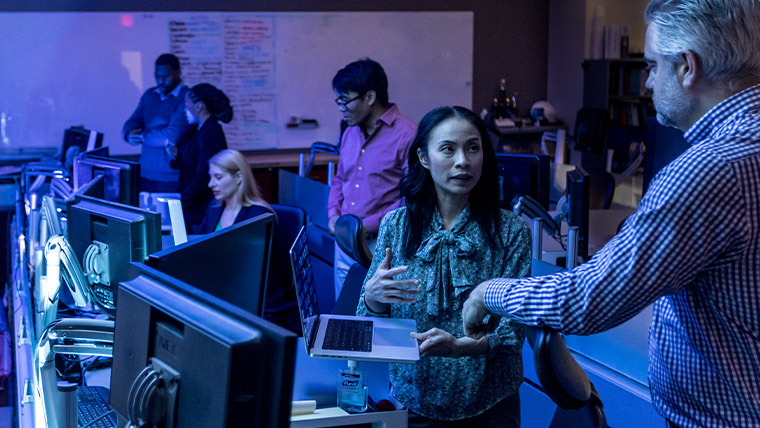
column 438, row 343
column 474, row 312
column 382, row 289
column 135, row 137
column 331, row 223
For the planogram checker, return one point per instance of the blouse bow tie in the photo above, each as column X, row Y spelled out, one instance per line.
column 446, row 249
column 457, row 241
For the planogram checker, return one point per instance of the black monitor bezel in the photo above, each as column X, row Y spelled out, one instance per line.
column 68, row 140
column 129, row 193
column 152, row 229
column 176, row 300
column 170, row 255
column 152, row 219
column 578, row 195
column 540, row 177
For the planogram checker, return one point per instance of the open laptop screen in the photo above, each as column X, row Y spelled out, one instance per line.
column 306, row 291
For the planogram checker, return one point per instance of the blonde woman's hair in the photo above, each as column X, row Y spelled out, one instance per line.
column 232, row 161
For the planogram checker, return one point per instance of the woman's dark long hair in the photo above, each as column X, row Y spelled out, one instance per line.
column 418, row 190
column 216, row 102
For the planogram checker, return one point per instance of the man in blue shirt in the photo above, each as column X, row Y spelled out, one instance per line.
column 157, row 124
column 693, row 247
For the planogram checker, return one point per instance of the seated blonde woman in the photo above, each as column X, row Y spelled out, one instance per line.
column 236, row 194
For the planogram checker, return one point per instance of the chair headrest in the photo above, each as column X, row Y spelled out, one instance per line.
column 349, row 235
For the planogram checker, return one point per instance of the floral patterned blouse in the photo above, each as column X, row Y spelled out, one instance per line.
column 449, row 264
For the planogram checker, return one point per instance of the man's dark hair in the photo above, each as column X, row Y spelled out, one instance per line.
column 168, row 60
column 418, row 189
column 361, row 77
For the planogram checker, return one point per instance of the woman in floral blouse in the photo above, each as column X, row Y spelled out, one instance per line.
column 450, row 236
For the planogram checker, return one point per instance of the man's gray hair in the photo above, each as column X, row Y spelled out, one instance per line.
column 725, row 35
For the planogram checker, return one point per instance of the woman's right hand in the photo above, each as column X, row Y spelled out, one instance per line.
column 381, row 290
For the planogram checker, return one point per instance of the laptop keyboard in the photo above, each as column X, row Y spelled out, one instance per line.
column 348, row 335
column 93, row 410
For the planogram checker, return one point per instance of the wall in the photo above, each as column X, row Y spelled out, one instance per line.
column 259, row 59
column 511, row 36
column 564, row 86
column 570, row 44
column 624, row 12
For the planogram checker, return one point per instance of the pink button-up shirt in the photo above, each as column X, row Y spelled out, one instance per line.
column 369, row 169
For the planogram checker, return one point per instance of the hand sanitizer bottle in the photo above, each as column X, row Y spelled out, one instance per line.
column 352, row 393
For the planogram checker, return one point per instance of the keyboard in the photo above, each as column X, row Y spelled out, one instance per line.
column 348, row 335
column 93, row 409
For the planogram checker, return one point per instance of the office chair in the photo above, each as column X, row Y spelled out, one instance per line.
column 633, row 167
column 280, row 306
column 318, row 147
column 601, row 189
column 564, row 381
column 349, row 235
column 322, row 147
column 590, row 133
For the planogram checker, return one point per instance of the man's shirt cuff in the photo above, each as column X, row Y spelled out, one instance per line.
column 494, row 296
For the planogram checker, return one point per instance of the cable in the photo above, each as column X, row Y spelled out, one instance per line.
column 147, row 376
column 145, row 399
column 98, row 418
column 93, row 264
column 50, row 213
column 61, row 188
column 89, row 262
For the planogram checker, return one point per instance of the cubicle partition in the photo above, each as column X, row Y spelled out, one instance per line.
column 305, row 193
column 312, row 196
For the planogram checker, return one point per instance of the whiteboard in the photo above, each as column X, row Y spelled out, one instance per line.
column 60, row 69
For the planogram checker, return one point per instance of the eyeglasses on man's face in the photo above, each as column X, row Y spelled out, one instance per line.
column 343, row 104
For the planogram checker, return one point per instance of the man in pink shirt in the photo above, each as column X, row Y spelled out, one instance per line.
column 373, row 153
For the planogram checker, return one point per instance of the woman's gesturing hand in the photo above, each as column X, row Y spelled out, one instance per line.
column 382, row 289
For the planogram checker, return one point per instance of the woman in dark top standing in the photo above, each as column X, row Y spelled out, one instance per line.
column 237, row 196
column 205, row 106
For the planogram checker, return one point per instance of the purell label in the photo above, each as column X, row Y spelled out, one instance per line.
column 349, row 383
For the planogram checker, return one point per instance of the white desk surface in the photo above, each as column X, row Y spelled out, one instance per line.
column 335, row 416
column 317, row 379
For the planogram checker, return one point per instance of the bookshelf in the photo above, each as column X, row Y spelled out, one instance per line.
column 618, row 87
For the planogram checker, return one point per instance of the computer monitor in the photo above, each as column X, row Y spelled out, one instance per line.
column 100, row 151
column 209, row 363
column 105, row 237
column 231, row 264
column 95, row 188
column 521, row 175
column 578, row 206
column 122, row 177
column 77, row 140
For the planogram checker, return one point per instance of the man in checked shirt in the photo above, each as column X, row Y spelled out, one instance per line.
column 693, row 246
column 373, row 154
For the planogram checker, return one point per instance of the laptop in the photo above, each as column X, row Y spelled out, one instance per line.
column 346, row 337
